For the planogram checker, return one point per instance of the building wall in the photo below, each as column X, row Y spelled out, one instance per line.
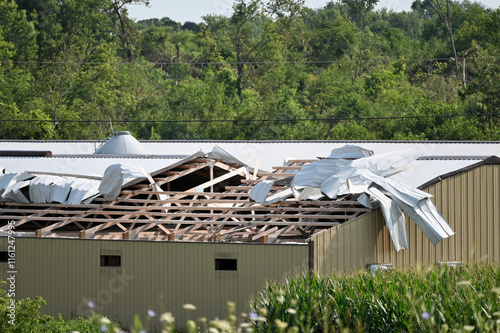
column 161, row 276
column 469, row 201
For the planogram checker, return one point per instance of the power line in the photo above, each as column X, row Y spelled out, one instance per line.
column 204, row 63
column 245, row 120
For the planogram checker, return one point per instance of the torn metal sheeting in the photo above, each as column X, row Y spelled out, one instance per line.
column 117, row 176
column 259, row 193
column 9, row 179
column 219, row 153
column 394, row 218
column 41, row 189
column 26, row 188
column 369, row 175
column 315, row 173
column 387, row 164
column 17, row 192
column 350, row 152
column 428, row 219
column 83, row 190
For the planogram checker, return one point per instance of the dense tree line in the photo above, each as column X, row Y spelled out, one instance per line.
column 272, row 70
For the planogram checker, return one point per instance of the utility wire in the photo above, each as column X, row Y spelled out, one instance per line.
column 237, row 63
column 245, row 120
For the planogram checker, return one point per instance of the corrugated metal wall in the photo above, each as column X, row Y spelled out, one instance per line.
column 469, row 201
column 161, row 276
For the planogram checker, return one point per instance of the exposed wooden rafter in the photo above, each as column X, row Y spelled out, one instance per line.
column 154, row 212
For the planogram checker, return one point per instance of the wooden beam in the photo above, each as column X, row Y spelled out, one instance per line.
column 201, row 187
column 176, row 210
column 185, row 222
column 287, row 167
column 305, row 161
column 22, row 221
column 265, row 233
column 179, row 174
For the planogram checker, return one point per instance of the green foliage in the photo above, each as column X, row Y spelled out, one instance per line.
column 34, row 124
column 24, row 316
column 431, row 300
column 271, row 70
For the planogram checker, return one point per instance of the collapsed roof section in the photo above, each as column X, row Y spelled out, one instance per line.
column 202, row 199
column 214, row 197
column 369, row 176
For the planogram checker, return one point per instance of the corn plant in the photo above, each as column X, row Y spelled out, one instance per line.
column 437, row 299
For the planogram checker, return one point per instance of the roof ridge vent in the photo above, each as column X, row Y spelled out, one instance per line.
column 122, row 143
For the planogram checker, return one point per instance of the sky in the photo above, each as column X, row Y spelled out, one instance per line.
column 192, row 10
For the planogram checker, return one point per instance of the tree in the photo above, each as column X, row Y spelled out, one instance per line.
column 126, row 29
column 444, row 13
column 244, row 44
column 360, row 9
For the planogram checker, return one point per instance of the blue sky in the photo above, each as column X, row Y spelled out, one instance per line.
column 193, row 10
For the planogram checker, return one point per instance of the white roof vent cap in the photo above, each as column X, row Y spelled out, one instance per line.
column 122, row 143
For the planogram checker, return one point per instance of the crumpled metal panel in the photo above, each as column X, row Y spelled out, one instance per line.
column 394, row 218
column 259, row 193
column 219, row 153
column 350, row 152
column 16, row 192
column 118, row 175
column 9, row 179
column 369, row 176
column 27, row 188
column 40, row 189
column 83, row 190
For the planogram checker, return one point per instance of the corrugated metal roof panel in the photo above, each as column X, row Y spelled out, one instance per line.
column 270, row 153
column 420, row 172
column 80, row 165
column 275, row 153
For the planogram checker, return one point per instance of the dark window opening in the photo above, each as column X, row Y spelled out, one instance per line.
column 226, row 264
column 111, row 261
column 4, row 256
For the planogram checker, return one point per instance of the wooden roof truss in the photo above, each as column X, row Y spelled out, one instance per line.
column 203, row 200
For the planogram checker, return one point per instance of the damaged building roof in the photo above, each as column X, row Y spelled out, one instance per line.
column 215, row 197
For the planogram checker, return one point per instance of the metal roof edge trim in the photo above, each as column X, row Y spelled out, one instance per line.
column 25, row 153
column 158, row 242
column 269, row 141
column 326, row 141
column 452, row 157
column 54, row 141
column 133, row 156
column 492, row 160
